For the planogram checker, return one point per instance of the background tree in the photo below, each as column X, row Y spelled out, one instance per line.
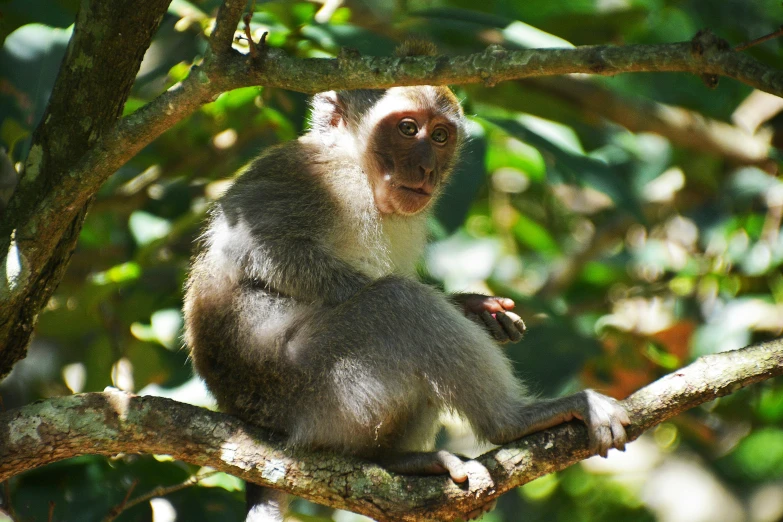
column 635, row 219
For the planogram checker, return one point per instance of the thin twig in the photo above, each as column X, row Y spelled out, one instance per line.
column 160, row 491
column 254, row 51
column 760, row 39
column 119, row 508
column 50, row 518
column 248, row 36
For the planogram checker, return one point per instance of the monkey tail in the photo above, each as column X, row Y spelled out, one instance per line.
column 265, row 504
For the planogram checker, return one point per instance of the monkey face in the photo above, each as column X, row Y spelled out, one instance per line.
column 410, row 153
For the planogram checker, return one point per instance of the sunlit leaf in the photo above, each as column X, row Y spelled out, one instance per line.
column 222, row 480
column 574, row 167
column 118, row 274
column 147, row 227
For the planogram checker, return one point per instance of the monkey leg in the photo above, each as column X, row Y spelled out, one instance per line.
column 373, row 360
column 604, row 417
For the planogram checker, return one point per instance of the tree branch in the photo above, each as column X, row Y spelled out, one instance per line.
column 114, row 422
column 312, row 75
column 228, row 15
column 55, row 203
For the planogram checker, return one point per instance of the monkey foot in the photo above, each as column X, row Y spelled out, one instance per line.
column 606, row 420
column 427, row 463
column 483, row 510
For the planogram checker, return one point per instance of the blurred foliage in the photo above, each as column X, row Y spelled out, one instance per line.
column 628, row 254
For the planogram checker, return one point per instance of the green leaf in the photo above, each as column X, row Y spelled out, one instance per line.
column 122, row 273
column 147, row 227
column 223, row 480
column 11, row 132
column 530, row 233
column 760, row 455
column 575, row 167
column 661, row 357
column 465, row 182
column 529, row 37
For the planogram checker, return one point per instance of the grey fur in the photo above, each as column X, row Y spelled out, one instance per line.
column 304, row 316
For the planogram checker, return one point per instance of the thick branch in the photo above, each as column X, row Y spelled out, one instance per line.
column 314, row 75
column 113, row 422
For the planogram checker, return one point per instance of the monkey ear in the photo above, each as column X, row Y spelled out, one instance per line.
column 328, row 111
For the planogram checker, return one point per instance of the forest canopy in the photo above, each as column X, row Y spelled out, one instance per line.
column 635, row 219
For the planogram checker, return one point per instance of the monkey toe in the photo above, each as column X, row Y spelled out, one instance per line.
column 428, row 463
column 453, row 465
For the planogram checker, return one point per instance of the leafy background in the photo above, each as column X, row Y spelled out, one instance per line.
column 628, row 253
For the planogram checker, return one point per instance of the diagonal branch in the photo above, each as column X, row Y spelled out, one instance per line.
column 113, row 422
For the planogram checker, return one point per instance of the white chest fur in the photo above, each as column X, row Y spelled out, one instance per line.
column 375, row 244
column 382, row 245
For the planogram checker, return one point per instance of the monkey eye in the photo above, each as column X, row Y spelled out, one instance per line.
column 440, row 135
column 408, row 128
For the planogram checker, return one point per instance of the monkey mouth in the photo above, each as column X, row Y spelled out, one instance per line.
column 413, row 199
column 419, row 191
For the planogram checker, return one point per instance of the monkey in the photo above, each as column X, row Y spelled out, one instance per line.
column 304, row 315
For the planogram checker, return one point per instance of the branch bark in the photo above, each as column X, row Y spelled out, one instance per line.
column 114, row 422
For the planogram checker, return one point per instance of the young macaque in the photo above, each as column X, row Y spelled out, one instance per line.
column 303, row 311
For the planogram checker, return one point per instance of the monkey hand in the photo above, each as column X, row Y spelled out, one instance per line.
column 493, row 313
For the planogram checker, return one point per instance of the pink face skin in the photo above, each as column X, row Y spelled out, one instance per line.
column 408, row 156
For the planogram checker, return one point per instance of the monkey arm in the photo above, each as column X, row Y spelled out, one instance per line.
column 272, row 227
column 304, row 270
column 280, row 260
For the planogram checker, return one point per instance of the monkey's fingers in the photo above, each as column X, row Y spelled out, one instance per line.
column 494, row 327
column 512, row 324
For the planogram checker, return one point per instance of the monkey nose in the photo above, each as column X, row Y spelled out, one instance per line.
column 426, row 172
